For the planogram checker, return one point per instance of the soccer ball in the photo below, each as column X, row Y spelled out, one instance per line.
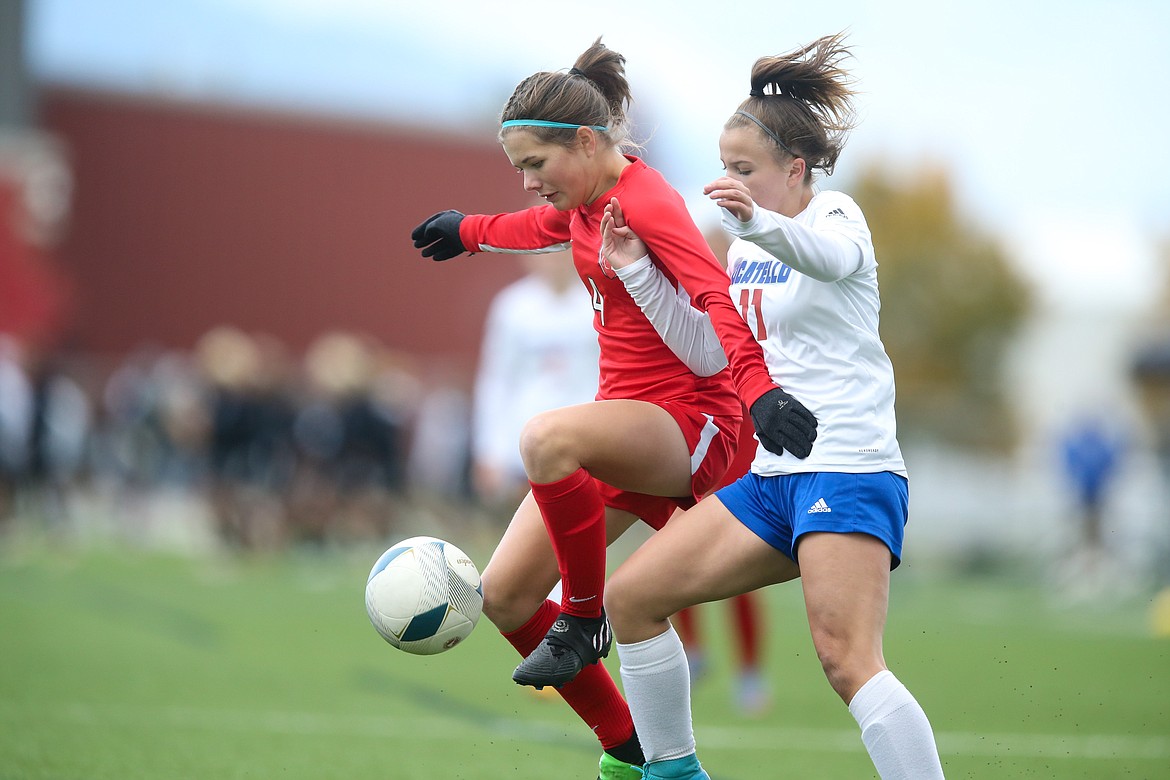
column 424, row 595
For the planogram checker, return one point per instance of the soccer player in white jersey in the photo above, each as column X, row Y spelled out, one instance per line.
column 804, row 276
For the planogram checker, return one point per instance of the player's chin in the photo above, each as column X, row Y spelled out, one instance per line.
column 556, row 200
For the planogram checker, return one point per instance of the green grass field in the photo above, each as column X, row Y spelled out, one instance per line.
column 117, row 665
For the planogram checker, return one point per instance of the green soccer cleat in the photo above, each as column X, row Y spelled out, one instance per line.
column 609, row 768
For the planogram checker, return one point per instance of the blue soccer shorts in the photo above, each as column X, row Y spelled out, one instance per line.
column 782, row 509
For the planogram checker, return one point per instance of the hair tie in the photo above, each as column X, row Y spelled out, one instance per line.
column 574, row 71
column 755, row 92
column 768, row 130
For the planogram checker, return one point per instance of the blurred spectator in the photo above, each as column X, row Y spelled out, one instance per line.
column 351, row 437
column 181, row 416
column 1151, row 373
column 16, row 412
column 61, row 419
column 440, row 452
column 45, row 428
column 251, row 454
column 1091, row 455
column 539, row 352
column 130, row 439
column 155, row 421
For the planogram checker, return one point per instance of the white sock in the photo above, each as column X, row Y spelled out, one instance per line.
column 895, row 730
column 657, row 685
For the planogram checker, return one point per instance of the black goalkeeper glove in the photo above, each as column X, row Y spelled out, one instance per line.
column 783, row 423
column 438, row 236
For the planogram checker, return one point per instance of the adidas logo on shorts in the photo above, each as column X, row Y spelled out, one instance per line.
column 819, row 506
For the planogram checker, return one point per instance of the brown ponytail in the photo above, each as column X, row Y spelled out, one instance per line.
column 803, row 100
column 594, row 92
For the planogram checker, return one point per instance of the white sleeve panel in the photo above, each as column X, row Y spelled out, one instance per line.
column 828, row 252
column 686, row 330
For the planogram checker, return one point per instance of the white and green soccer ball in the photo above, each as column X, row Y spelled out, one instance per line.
column 424, row 595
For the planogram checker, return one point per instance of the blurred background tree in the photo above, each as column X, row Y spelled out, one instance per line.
column 951, row 304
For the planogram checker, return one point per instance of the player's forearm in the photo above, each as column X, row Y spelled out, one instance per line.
column 683, row 328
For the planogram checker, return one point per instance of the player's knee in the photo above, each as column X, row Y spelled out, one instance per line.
column 542, row 439
column 492, row 606
column 847, row 661
column 634, row 610
column 619, row 603
column 506, row 607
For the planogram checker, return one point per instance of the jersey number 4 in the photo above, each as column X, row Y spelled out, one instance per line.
column 598, row 301
column 750, row 299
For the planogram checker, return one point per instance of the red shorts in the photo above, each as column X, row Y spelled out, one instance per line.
column 712, row 442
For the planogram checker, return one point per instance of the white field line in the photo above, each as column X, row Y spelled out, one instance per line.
column 1019, row 745
column 422, row 726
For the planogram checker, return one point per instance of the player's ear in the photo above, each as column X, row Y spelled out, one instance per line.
column 796, row 170
column 587, row 139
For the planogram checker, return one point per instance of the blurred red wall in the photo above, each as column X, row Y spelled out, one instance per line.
column 189, row 216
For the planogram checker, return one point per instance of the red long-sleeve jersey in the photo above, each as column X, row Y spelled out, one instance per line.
column 634, row 362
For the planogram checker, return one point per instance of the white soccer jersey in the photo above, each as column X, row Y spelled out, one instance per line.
column 807, row 288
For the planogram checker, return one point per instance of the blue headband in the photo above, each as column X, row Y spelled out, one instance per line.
column 546, row 123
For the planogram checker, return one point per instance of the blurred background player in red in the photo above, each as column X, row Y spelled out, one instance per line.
column 658, row 436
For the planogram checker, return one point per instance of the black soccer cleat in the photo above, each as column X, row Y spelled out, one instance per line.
column 569, row 646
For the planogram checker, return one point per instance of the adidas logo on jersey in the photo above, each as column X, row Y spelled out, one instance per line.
column 819, row 506
column 836, row 213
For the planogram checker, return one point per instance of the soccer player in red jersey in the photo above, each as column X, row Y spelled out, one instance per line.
column 658, row 436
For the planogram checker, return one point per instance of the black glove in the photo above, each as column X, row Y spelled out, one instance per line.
column 783, row 423
column 438, row 236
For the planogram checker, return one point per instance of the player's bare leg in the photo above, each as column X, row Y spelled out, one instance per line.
column 846, row 591
column 516, row 584
column 632, row 445
column 724, row 558
column 523, row 570
column 846, row 580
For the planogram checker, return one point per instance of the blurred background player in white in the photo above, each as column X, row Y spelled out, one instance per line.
column 804, row 272
column 539, row 352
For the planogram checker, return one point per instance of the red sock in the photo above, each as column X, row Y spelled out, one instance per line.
column 685, row 622
column 574, row 515
column 747, row 628
column 592, row 695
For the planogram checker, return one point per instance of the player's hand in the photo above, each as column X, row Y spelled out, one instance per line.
column 784, row 424
column 620, row 245
column 733, row 195
column 438, row 235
